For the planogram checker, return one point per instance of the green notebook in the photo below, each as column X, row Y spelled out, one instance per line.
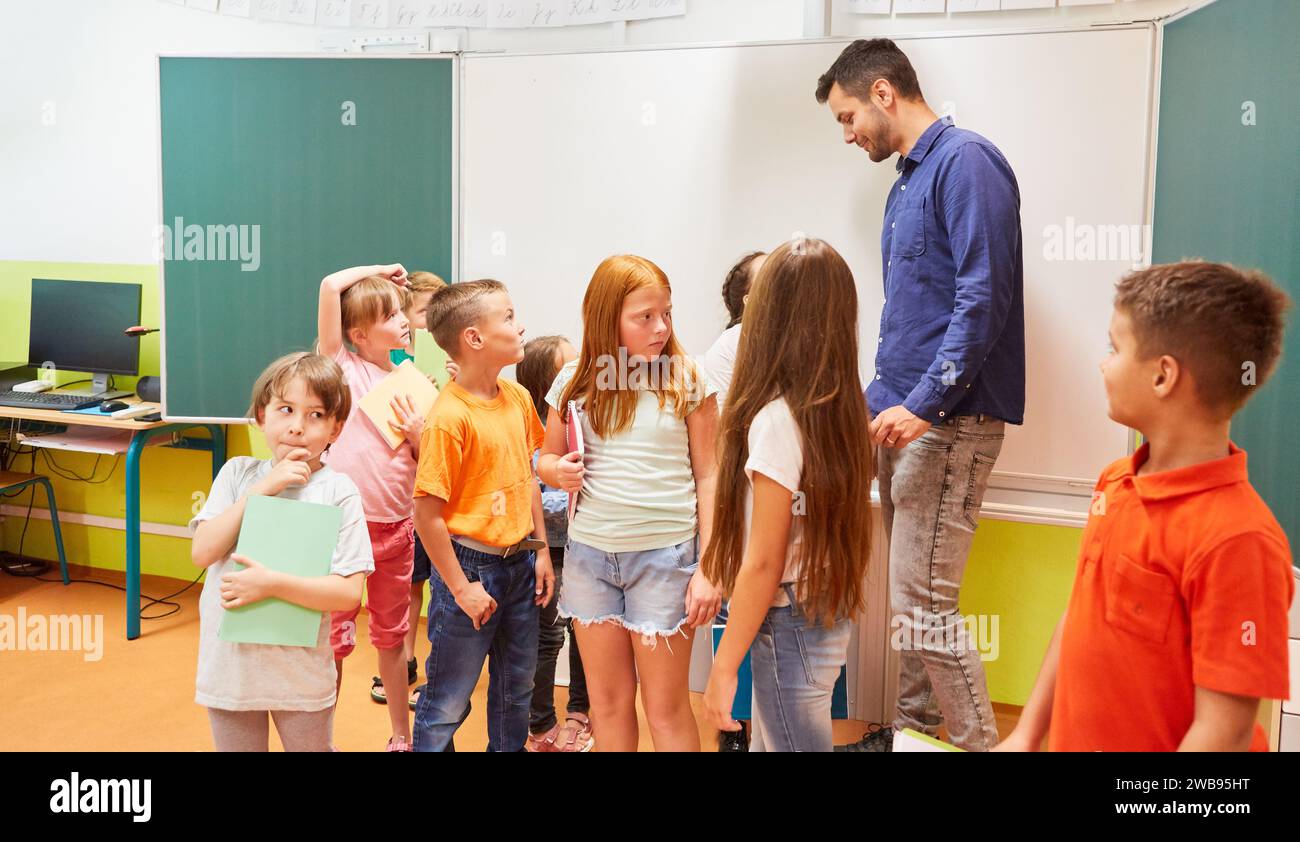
column 292, row 537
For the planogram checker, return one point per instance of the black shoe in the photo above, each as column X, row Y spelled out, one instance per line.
column 877, row 738
column 411, row 672
column 734, row 740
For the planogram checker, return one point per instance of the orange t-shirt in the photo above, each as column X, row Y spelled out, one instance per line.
column 477, row 455
column 1184, row 581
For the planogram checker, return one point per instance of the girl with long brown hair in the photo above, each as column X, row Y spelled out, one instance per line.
column 791, row 522
column 645, row 502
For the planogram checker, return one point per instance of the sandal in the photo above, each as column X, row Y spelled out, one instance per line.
column 377, row 692
column 544, row 741
column 575, row 735
column 415, row 696
column 398, row 744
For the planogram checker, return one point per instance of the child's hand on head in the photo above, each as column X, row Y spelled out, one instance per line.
column 452, row 369
column 409, row 422
column 252, row 584
column 570, row 472
column 291, row 470
column 395, row 273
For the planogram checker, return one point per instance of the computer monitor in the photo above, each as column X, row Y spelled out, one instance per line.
column 78, row 325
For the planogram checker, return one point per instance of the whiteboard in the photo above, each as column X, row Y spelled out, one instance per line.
column 692, row 156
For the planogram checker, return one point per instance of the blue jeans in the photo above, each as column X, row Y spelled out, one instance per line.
column 796, row 663
column 508, row 640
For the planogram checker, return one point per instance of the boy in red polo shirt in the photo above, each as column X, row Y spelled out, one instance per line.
column 1177, row 623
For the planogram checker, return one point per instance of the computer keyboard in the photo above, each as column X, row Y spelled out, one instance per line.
column 47, row 400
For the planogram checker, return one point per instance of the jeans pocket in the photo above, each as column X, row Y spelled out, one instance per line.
column 684, row 555
column 470, row 569
column 940, row 437
column 818, row 668
column 980, row 469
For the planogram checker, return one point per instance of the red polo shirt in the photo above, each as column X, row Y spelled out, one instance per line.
column 1184, row 581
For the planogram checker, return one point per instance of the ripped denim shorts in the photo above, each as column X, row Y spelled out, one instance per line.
column 645, row 591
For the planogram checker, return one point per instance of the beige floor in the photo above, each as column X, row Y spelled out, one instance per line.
column 139, row 696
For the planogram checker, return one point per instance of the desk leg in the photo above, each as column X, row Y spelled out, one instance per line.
column 218, row 433
column 138, row 441
column 133, row 534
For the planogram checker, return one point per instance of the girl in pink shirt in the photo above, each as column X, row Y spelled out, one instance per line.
column 361, row 306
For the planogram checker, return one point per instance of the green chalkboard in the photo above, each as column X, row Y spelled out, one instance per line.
column 282, row 170
column 1228, row 189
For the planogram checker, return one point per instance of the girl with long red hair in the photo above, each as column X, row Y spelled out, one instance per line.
column 645, row 504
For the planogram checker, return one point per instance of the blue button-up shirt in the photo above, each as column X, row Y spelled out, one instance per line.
column 952, row 330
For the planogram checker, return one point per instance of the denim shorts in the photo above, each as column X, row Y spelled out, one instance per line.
column 644, row 590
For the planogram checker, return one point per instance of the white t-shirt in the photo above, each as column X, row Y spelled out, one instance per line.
column 255, row 676
column 720, row 361
column 638, row 492
column 776, row 452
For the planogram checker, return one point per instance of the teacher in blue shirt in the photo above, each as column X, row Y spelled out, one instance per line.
column 950, row 372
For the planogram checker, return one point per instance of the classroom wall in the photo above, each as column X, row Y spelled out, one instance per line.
column 78, row 144
column 78, row 141
column 78, row 103
column 845, row 23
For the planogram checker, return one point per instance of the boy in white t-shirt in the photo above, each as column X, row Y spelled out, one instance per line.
column 300, row 402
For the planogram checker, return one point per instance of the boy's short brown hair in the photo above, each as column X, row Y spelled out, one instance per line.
column 1225, row 324
column 456, row 307
column 324, row 380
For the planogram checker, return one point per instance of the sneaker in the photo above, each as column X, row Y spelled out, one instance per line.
column 877, row 738
column 398, row 744
column 734, row 740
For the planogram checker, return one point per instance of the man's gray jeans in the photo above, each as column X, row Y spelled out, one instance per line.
column 930, row 493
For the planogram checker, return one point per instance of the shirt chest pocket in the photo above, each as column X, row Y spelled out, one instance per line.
column 1141, row 601
column 908, row 232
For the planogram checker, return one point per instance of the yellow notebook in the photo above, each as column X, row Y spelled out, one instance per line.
column 405, row 379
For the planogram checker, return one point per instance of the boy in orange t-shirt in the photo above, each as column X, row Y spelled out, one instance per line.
column 1177, row 623
column 476, row 506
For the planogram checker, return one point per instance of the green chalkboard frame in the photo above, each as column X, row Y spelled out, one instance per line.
column 301, row 165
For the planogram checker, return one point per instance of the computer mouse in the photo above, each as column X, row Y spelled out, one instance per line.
column 112, row 406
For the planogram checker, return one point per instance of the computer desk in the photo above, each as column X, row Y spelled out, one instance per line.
column 141, row 433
